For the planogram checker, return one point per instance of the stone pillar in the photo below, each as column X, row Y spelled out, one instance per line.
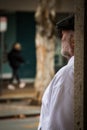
column 85, row 65
column 79, row 64
column 45, row 45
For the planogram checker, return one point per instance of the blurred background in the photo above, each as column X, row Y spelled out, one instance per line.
column 33, row 25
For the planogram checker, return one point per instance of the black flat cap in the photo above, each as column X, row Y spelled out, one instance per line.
column 65, row 24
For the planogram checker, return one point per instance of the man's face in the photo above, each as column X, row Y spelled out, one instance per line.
column 67, row 45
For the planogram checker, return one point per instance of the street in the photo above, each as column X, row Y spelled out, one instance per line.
column 17, row 112
column 19, row 124
column 18, row 116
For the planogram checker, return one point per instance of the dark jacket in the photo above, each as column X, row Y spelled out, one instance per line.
column 15, row 58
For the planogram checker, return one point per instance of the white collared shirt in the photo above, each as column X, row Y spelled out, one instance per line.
column 58, row 100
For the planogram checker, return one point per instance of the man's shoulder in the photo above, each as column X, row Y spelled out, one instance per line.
column 67, row 68
column 64, row 72
column 61, row 70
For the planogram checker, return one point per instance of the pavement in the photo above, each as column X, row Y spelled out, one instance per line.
column 18, row 102
column 28, row 92
column 20, row 124
column 11, row 110
column 19, row 109
column 19, row 115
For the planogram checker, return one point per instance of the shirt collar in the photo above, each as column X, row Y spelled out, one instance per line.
column 71, row 60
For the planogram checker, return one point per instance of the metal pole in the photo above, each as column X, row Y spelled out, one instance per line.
column 3, row 27
column 1, row 62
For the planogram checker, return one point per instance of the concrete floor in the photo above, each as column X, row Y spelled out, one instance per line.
column 19, row 124
column 19, row 93
column 19, row 116
column 16, row 110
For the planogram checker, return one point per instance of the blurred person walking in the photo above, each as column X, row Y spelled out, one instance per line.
column 15, row 59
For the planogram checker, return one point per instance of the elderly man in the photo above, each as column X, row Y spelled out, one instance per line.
column 57, row 102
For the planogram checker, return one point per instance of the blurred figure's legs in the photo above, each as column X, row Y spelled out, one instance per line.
column 14, row 76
